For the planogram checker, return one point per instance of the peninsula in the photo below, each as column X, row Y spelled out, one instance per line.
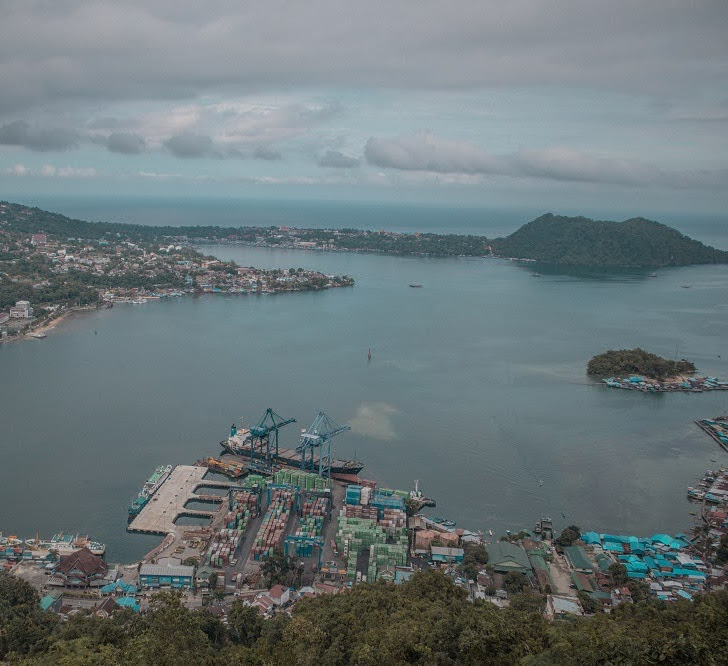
column 51, row 266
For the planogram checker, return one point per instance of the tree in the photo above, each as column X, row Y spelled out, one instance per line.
column 476, row 556
column 568, row 536
column 516, row 582
column 212, row 580
column 244, row 624
column 528, row 602
column 588, row 603
column 278, row 568
column 721, row 554
column 618, row 573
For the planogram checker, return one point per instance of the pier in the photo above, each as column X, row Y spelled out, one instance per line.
column 161, row 512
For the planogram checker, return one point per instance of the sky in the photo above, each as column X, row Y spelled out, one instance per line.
column 616, row 105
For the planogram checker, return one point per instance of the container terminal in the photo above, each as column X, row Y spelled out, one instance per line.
column 340, row 530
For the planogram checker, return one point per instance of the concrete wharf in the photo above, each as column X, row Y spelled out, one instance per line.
column 161, row 512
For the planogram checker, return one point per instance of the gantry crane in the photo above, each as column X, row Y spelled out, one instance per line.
column 260, row 435
column 319, row 436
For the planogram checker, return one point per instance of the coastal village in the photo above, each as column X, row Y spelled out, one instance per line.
column 44, row 277
column 250, row 527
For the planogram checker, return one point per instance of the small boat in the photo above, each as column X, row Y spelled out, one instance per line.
column 490, row 532
column 540, row 482
column 369, row 354
column 416, row 286
column 685, row 286
column 653, row 275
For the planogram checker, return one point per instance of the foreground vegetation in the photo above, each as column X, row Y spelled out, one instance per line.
column 622, row 362
column 425, row 621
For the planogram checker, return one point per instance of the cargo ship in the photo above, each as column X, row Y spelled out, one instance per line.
column 150, row 487
column 239, row 443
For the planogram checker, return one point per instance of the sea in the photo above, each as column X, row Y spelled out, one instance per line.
column 476, row 385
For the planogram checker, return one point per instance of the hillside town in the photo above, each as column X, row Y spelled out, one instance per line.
column 45, row 276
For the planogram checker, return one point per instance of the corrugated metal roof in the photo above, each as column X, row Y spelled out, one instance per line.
column 161, row 570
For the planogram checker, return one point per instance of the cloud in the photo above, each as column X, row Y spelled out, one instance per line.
column 21, row 133
column 190, row 145
column 141, row 50
column 52, row 171
column 425, row 152
column 267, row 153
column 336, row 159
column 126, row 143
column 17, row 170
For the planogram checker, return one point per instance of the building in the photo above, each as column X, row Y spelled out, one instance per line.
column 4, row 316
column 279, row 595
column 106, row 607
column 80, row 569
column 504, row 557
column 21, row 310
column 38, row 239
column 52, row 601
column 444, row 554
column 578, row 559
column 157, row 575
column 559, row 608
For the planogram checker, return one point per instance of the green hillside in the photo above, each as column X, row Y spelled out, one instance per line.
column 580, row 241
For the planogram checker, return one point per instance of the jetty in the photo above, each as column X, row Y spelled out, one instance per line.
column 160, row 514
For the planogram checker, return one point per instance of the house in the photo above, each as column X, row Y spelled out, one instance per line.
column 52, row 601
column 4, row 316
column 202, row 577
column 559, row 608
column 38, row 239
column 105, row 608
column 157, row 575
column 504, row 557
column 444, row 554
column 80, row 569
column 128, row 602
column 279, row 595
column 263, row 604
column 21, row 310
column 578, row 559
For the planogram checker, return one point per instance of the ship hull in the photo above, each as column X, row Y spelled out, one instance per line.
column 289, row 458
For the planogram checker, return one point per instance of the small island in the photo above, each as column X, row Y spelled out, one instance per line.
column 637, row 362
column 642, row 371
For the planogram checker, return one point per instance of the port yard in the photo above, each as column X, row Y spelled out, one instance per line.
column 679, row 384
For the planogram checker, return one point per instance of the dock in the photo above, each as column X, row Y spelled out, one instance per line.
column 160, row 514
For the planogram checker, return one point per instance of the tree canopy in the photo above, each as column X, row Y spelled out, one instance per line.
column 621, row 362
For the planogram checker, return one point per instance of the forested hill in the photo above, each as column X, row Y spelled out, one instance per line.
column 580, row 241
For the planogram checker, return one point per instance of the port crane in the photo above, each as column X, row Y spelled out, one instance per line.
column 261, row 434
column 319, row 436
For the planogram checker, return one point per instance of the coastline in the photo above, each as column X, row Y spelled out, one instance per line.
column 51, row 324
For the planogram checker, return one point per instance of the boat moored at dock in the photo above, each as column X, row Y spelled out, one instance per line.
column 150, row 487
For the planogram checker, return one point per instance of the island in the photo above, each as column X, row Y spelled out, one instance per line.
column 580, row 241
column 637, row 362
column 52, row 266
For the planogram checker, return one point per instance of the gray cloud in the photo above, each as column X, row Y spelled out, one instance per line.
column 336, row 159
column 267, row 153
column 424, row 152
column 126, row 143
column 21, row 133
column 82, row 50
column 190, row 145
